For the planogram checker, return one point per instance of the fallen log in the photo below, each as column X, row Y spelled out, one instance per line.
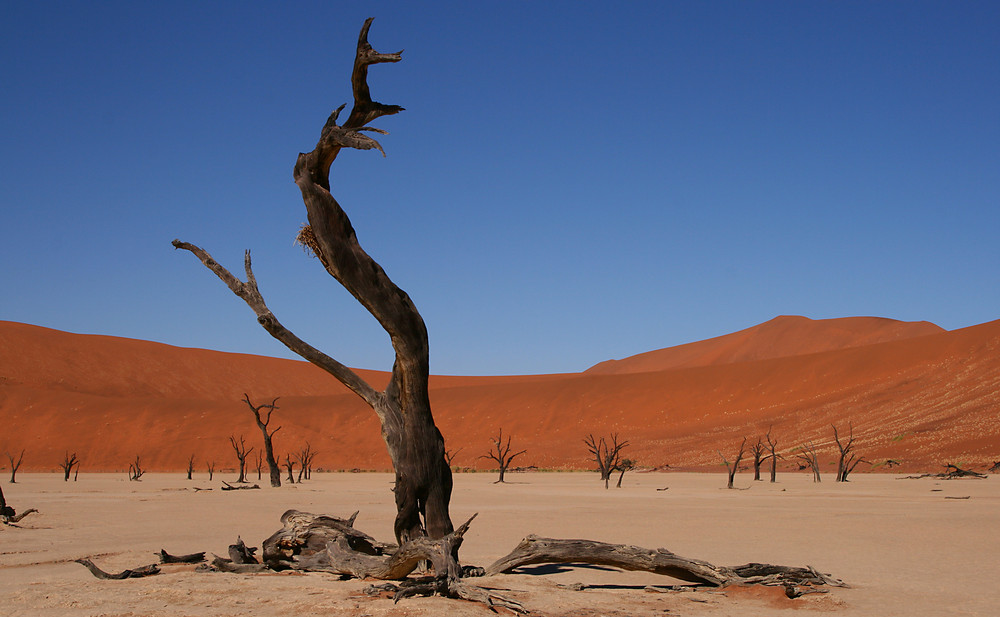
column 535, row 550
column 8, row 515
column 242, row 487
column 166, row 557
column 139, row 572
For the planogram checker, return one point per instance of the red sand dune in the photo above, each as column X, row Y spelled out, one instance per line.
column 914, row 393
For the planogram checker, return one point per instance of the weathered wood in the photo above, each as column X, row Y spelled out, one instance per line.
column 166, row 557
column 536, row 550
column 243, row 487
column 130, row 573
column 241, row 553
column 731, row 469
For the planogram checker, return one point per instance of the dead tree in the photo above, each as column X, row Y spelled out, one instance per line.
column 626, row 464
column 415, row 445
column 305, row 458
column 262, row 422
column 290, row 466
column 993, row 468
column 734, row 467
column 242, row 452
column 259, row 463
column 14, row 465
column 501, row 454
column 849, row 459
column 69, row 462
column 135, row 470
column 190, row 467
column 606, row 456
column 758, row 451
column 809, row 460
column 211, row 470
column 449, row 456
column 773, row 456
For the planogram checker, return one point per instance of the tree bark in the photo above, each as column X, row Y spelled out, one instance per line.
column 416, row 447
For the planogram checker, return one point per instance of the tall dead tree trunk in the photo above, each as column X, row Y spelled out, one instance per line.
column 501, row 454
column 190, row 467
column 415, row 445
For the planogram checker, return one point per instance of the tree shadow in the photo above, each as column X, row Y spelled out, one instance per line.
column 558, row 568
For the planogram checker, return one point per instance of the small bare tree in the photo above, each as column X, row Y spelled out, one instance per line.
column 14, row 465
column 290, row 466
column 626, row 464
column 809, row 460
column 758, row 451
column 849, row 459
column 260, row 464
column 262, row 424
column 211, row 469
column 994, row 468
column 241, row 454
column 772, row 444
column 305, row 458
column 135, row 470
column 190, row 468
column 734, row 467
column 449, row 456
column 69, row 462
column 606, row 455
column 501, row 454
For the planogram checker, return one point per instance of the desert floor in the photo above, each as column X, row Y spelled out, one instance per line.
column 904, row 547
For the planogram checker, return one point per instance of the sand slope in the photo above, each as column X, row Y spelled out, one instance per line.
column 919, row 395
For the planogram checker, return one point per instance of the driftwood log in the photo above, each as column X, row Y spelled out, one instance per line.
column 951, row 472
column 166, row 557
column 139, row 572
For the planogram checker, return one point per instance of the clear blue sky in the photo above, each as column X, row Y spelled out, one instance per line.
column 570, row 181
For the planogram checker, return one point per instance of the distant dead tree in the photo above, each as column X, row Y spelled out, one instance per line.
column 758, row 451
column 734, row 467
column 211, row 470
column 241, row 454
column 993, row 469
column 135, row 470
column 626, row 464
column 260, row 464
column 891, row 462
column 807, row 455
column 606, row 455
column 849, row 459
column 14, row 465
column 449, row 456
column 69, row 462
column 262, row 424
column 501, row 454
column 305, row 458
column 190, row 469
column 771, row 446
column 290, row 465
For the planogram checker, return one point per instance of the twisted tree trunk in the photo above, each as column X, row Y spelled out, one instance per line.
column 416, row 447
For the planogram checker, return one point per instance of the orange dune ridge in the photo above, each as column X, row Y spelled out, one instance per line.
column 913, row 392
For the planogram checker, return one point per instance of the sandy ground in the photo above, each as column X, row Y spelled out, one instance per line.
column 902, row 545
